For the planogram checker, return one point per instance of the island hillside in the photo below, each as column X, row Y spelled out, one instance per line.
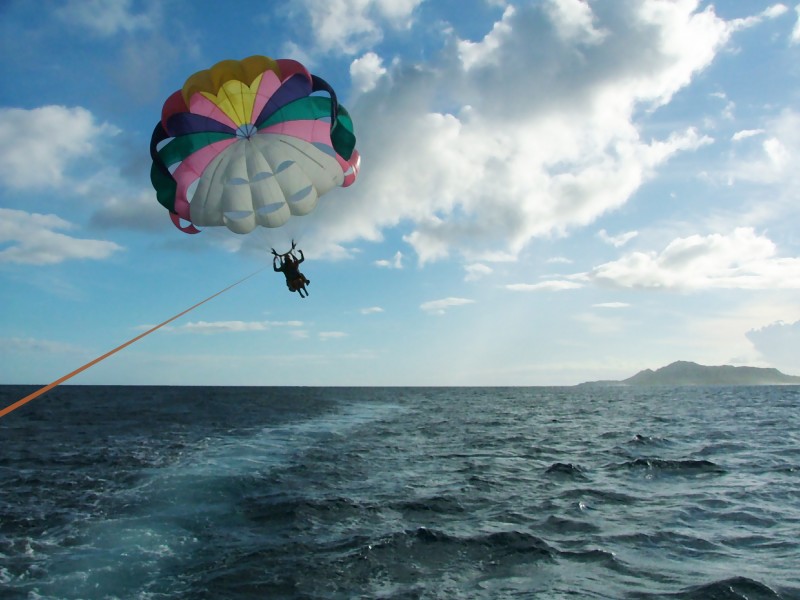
column 689, row 373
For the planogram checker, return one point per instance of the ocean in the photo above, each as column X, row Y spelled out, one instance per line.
column 404, row 493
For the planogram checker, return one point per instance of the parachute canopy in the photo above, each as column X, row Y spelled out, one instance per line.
column 245, row 143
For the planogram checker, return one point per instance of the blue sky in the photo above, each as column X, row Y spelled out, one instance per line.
column 550, row 192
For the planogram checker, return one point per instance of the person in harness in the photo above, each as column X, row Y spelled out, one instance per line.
column 289, row 265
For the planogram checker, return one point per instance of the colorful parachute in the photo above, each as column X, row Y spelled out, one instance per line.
column 244, row 143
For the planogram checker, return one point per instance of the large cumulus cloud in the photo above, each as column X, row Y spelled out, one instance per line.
column 529, row 131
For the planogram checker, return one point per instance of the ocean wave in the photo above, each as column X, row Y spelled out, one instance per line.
column 648, row 440
column 490, row 545
column 563, row 526
column 724, row 448
column 599, row 496
column 566, row 470
column 685, row 466
column 735, row 588
column 694, row 546
column 430, row 504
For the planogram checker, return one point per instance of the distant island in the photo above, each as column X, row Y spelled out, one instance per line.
column 688, row 373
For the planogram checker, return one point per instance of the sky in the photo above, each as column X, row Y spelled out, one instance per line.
column 551, row 192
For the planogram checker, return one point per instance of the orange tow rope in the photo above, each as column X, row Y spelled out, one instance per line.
column 61, row 380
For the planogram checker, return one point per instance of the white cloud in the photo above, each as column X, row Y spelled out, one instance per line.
column 366, row 71
column 331, row 335
column 771, row 12
column 38, row 347
column 745, row 133
column 350, row 25
column 771, row 161
column 395, row 263
column 741, row 260
column 611, row 305
column 777, row 159
column 720, row 336
column 617, row 240
column 213, row 327
column 108, row 17
column 482, row 53
column 574, row 21
column 476, row 271
column 778, row 154
column 31, row 239
column 728, row 108
column 37, row 146
column 206, row 327
column 564, row 149
column 555, row 285
column 774, row 11
column 779, row 343
column 601, row 325
column 372, row 310
column 689, row 42
column 141, row 212
column 439, row 307
column 795, row 39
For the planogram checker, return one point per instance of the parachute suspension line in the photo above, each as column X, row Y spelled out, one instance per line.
column 61, row 380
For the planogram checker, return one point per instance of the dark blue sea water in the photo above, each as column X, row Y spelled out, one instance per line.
column 556, row 493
